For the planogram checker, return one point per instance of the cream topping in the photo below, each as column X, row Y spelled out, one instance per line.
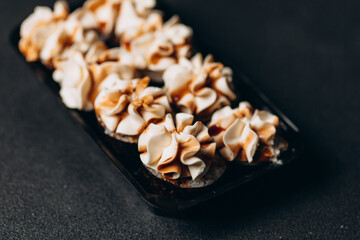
column 100, row 71
column 126, row 18
column 103, row 61
column 135, row 19
column 105, row 13
column 238, row 132
column 159, row 49
column 126, row 107
column 177, row 151
column 75, row 82
column 76, row 33
column 36, row 28
column 198, row 86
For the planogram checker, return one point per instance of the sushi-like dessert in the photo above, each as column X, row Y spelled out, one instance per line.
column 180, row 152
column 126, row 107
column 244, row 132
column 198, row 86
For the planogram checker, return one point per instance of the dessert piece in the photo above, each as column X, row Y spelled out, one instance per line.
column 126, row 107
column 49, row 36
column 105, row 13
column 76, row 34
column 197, row 86
column 75, row 82
column 183, row 155
column 135, row 18
column 124, row 18
column 155, row 51
column 80, row 82
column 103, row 61
column 36, row 29
column 243, row 133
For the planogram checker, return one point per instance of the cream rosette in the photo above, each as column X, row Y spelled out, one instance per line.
column 126, row 107
column 103, row 61
column 127, row 17
column 75, row 34
column 180, row 151
column 38, row 27
column 136, row 18
column 197, row 86
column 105, row 13
column 156, row 51
column 238, row 132
column 75, row 82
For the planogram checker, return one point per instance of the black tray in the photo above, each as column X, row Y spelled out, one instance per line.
column 163, row 197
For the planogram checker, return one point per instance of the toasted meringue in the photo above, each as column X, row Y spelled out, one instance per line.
column 135, row 19
column 198, row 86
column 105, row 12
column 126, row 107
column 104, row 62
column 238, row 132
column 177, row 149
column 156, row 51
column 75, row 82
column 76, row 34
column 37, row 28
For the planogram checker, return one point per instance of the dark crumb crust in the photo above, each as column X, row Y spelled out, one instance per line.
column 214, row 170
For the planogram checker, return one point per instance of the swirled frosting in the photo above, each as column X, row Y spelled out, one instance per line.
column 159, row 49
column 60, row 36
column 238, row 132
column 126, row 18
column 135, row 18
column 93, row 68
column 75, row 82
column 126, row 107
column 36, row 29
column 198, row 86
column 177, row 151
column 105, row 13
column 75, row 34
column 103, row 61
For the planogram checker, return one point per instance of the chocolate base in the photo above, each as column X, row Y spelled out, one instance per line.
column 213, row 171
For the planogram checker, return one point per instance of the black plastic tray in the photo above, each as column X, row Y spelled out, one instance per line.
column 161, row 196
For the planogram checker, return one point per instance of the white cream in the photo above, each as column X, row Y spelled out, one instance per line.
column 198, row 86
column 105, row 12
column 155, row 49
column 75, row 82
column 36, row 29
column 126, row 107
column 239, row 131
column 177, row 151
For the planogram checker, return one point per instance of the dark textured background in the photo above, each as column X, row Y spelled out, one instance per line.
column 56, row 183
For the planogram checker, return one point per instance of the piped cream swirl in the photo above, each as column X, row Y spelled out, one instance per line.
column 197, row 86
column 238, row 132
column 126, row 107
column 75, row 82
column 38, row 27
column 177, row 149
column 157, row 50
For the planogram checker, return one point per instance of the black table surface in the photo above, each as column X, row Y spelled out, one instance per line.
column 56, row 183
